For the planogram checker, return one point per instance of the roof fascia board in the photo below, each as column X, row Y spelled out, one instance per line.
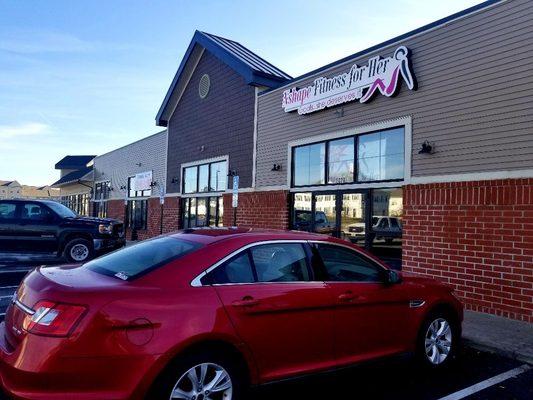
column 408, row 35
column 184, row 60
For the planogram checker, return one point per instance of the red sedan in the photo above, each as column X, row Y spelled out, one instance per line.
column 202, row 314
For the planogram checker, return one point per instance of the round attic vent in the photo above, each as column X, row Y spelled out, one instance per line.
column 204, row 85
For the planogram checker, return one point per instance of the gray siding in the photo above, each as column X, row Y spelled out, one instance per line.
column 117, row 165
column 222, row 123
column 474, row 99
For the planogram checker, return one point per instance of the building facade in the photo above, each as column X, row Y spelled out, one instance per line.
column 75, row 182
column 419, row 149
column 128, row 185
column 209, row 112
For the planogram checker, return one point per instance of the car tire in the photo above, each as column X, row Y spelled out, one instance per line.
column 176, row 377
column 440, row 332
column 78, row 250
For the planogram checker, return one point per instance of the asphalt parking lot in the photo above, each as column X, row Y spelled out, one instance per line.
column 402, row 379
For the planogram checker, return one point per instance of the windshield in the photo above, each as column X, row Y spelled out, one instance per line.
column 139, row 259
column 62, row 210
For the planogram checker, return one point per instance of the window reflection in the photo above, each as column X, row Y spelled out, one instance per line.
column 309, row 165
column 341, row 161
column 380, row 155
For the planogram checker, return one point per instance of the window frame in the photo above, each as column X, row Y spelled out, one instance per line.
column 321, row 268
column 292, row 148
column 197, row 281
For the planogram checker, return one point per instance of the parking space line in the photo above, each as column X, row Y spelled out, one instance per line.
column 461, row 394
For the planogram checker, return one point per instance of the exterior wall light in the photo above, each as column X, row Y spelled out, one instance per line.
column 427, row 148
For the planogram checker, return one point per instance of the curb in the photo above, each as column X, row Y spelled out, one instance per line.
column 491, row 348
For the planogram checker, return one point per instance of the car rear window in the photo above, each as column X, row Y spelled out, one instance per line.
column 133, row 261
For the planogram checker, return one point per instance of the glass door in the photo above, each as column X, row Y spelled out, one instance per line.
column 353, row 222
column 325, row 209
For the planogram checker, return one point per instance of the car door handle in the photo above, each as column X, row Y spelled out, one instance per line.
column 246, row 302
column 346, row 297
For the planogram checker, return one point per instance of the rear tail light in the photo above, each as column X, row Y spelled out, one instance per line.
column 53, row 319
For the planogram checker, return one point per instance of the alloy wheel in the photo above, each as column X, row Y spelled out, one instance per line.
column 205, row 381
column 79, row 252
column 438, row 341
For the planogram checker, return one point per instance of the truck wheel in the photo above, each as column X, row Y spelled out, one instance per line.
column 78, row 250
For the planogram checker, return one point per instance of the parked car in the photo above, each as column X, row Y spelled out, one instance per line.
column 383, row 228
column 303, row 218
column 49, row 227
column 204, row 313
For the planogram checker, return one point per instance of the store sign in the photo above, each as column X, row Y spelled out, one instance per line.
column 359, row 83
column 142, row 181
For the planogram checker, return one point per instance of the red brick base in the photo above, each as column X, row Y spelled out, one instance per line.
column 259, row 209
column 476, row 236
column 171, row 212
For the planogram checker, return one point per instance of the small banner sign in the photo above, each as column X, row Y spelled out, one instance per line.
column 142, row 181
column 235, row 191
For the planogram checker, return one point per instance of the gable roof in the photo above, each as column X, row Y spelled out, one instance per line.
column 73, row 162
column 9, row 183
column 74, row 176
column 254, row 69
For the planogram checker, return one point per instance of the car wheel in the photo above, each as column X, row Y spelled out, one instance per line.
column 78, row 250
column 201, row 376
column 438, row 340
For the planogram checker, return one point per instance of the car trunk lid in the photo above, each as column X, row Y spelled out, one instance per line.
column 60, row 284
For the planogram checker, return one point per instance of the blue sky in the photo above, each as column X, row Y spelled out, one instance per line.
column 85, row 77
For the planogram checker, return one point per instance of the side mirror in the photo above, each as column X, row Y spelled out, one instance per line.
column 393, row 277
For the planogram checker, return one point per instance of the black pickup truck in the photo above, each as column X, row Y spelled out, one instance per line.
column 45, row 226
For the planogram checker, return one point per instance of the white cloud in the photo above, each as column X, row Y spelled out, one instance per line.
column 26, row 129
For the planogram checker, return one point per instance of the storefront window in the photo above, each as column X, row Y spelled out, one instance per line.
column 341, row 161
column 190, row 180
column 309, row 165
column 219, row 176
column 380, row 156
column 137, row 214
column 210, row 177
column 202, row 211
column 79, row 203
column 203, row 178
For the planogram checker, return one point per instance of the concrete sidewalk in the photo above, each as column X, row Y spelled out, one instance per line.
column 503, row 336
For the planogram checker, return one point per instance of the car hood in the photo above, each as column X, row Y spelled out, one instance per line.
column 94, row 220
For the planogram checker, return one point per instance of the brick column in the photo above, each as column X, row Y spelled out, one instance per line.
column 269, row 209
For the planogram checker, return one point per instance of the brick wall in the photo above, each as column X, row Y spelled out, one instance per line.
column 115, row 209
column 171, row 212
column 267, row 209
column 476, row 236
